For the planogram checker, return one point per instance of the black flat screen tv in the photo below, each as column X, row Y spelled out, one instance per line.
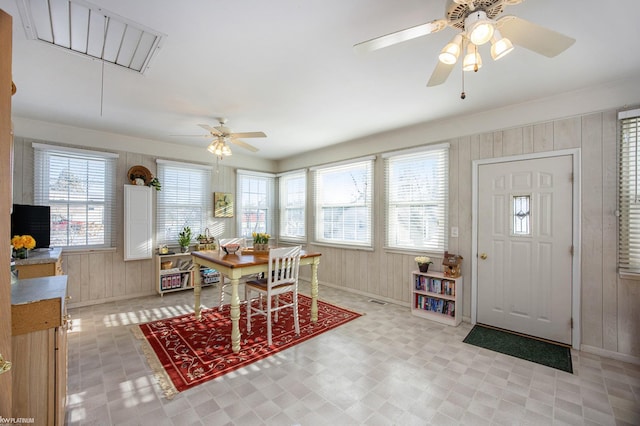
column 34, row 221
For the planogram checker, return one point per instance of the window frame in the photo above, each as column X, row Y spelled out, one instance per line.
column 318, row 175
column 244, row 178
column 411, row 159
column 43, row 155
column 284, row 202
column 628, row 208
column 201, row 199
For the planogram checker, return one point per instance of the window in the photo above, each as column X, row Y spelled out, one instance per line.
column 184, row 200
column 79, row 186
column 255, row 201
column 343, row 200
column 629, row 191
column 293, row 198
column 416, row 193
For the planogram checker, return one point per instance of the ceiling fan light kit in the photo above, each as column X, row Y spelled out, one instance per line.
column 451, row 52
column 477, row 23
column 472, row 60
column 500, row 46
column 223, row 136
column 479, row 27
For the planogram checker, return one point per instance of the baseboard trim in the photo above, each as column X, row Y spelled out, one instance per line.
column 610, row 354
column 360, row 293
column 84, row 303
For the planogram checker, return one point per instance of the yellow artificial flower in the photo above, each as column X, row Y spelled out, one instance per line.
column 23, row 241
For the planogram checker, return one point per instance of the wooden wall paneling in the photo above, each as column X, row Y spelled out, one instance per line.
column 497, row 145
column 628, row 318
column 609, row 230
column 133, row 277
column 108, row 274
column 543, row 137
column 18, row 167
column 465, row 190
column 527, row 140
column 512, row 142
column 592, row 229
column 398, row 276
column 454, row 184
column 485, row 145
column 27, row 173
column 350, row 275
column 85, row 277
column 73, row 269
column 119, row 275
column 567, row 133
column 98, row 281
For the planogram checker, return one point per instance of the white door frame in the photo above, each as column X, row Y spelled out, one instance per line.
column 575, row 268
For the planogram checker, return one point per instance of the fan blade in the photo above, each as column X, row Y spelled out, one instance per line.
column 243, row 144
column 208, row 128
column 534, row 37
column 400, row 36
column 440, row 74
column 248, row 135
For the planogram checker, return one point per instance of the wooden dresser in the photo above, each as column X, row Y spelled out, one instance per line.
column 39, row 324
column 41, row 263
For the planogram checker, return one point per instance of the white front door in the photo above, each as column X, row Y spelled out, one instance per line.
column 525, row 222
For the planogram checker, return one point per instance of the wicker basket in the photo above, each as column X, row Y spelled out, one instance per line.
column 166, row 264
column 206, row 243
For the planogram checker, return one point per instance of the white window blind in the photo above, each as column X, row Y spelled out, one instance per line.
column 416, row 193
column 79, row 187
column 629, row 191
column 343, row 200
column 255, row 202
column 185, row 200
column 293, row 199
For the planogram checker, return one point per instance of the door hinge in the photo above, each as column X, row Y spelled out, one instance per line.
column 571, row 250
column 571, row 177
column 571, row 323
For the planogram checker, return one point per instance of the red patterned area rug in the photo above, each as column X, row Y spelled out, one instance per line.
column 184, row 352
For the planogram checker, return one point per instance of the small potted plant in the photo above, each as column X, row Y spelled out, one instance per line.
column 423, row 263
column 260, row 242
column 184, row 239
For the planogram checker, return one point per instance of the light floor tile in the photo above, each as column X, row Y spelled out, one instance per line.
column 386, row 367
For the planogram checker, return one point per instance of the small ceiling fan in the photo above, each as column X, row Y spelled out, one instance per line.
column 475, row 20
column 222, row 134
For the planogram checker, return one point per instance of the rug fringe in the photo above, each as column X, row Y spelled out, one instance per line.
column 159, row 372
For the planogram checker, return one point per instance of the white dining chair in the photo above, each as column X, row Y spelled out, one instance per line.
column 281, row 278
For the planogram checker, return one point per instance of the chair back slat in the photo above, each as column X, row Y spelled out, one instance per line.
column 284, row 264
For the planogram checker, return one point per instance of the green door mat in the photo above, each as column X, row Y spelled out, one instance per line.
column 533, row 350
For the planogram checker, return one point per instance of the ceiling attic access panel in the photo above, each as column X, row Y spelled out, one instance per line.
column 86, row 29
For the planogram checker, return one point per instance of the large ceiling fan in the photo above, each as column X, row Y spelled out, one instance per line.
column 476, row 21
column 222, row 135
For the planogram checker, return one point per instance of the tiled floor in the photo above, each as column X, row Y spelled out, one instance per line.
column 385, row 368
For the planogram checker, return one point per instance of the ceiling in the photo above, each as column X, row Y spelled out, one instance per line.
column 288, row 68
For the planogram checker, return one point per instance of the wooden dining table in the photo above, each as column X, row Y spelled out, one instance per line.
column 235, row 266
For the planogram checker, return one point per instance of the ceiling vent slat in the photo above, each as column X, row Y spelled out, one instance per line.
column 90, row 30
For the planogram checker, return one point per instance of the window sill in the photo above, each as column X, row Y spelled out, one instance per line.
column 627, row 275
column 87, row 250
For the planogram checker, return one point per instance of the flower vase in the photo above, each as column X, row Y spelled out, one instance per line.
column 261, row 248
column 22, row 253
column 424, row 267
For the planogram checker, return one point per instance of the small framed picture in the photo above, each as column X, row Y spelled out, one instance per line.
column 222, row 204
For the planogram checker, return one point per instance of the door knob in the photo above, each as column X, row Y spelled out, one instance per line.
column 4, row 365
column 483, row 256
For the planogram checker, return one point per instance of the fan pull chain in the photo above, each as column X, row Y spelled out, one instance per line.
column 463, row 94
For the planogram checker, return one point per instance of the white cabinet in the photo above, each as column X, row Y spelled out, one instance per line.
column 138, row 241
column 436, row 297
